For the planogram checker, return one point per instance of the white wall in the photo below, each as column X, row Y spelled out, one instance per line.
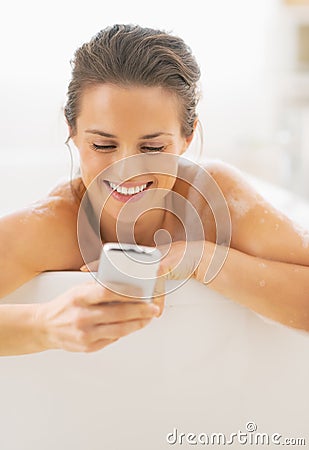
column 236, row 43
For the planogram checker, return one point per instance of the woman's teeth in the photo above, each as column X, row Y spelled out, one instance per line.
column 127, row 191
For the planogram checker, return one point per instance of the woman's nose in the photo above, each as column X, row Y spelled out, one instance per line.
column 129, row 167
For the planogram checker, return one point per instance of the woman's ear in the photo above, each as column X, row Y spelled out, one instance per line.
column 70, row 130
column 190, row 137
column 72, row 134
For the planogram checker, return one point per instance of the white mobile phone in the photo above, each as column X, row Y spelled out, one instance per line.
column 131, row 264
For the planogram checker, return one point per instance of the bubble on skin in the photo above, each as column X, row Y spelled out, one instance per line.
column 302, row 232
column 262, row 265
column 240, row 206
column 262, row 283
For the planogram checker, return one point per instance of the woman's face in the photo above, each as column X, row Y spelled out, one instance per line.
column 118, row 122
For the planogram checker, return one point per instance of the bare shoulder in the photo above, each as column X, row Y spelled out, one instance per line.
column 68, row 190
column 203, row 185
column 218, row 188
column 60, row 204
column 258, row 228
column 42, row 235
column 230, row 179
column 238, row 192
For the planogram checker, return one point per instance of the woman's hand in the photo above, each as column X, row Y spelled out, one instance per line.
column 181, row 260
column 158, row 294
column 185, row 259
column 82, row 319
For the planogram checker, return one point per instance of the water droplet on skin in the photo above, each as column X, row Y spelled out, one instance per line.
column 262, row 283
column 265, row 211
column 262, row 265
column 262, row 220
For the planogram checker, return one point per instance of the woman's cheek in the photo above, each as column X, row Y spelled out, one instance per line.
column 90, row 167
column 166, row 182
column 87, row 174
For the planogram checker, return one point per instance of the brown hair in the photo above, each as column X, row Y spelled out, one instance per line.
column 130, row 54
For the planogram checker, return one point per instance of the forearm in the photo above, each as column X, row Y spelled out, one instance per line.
column 274, row 289
column 20, row 331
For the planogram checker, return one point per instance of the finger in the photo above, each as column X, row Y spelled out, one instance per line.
column 160, row 302
column 89, row 347
column 90, row 267
column 98, row 345
column 159, row 295
column 93, row 292
column 112, row 313
column 117, row 330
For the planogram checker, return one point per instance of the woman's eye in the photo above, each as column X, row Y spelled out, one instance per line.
column 145, row 148
column 103, row 147
column 153, row 149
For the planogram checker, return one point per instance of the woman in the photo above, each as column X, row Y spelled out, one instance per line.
column 134, row 92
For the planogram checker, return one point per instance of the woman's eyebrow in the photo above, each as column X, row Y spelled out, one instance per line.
column 101, row 133
column 154, row 135
column 147, row 136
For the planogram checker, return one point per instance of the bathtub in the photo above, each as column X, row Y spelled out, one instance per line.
column 207, row 365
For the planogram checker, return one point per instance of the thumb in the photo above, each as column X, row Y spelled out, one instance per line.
column 159, row 294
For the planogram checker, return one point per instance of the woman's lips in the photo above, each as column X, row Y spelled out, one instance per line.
column 129, row 184
column 125, row 197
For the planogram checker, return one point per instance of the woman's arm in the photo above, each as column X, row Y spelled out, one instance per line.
column 39, row 237
column 274, row 289
column 84, row 318
column 267, row 268
column 267, row 264
column 26, row 251
column 258, row 228
column 20, row 331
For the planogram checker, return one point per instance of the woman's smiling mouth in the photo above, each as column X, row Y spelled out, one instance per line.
column 125, row 191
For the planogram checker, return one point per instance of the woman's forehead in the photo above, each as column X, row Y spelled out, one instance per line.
column 131, row 105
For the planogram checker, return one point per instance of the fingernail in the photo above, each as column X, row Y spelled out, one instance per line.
column 83, row 268
column 155, row 309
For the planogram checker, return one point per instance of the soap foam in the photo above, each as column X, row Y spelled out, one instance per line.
column 239, row 206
